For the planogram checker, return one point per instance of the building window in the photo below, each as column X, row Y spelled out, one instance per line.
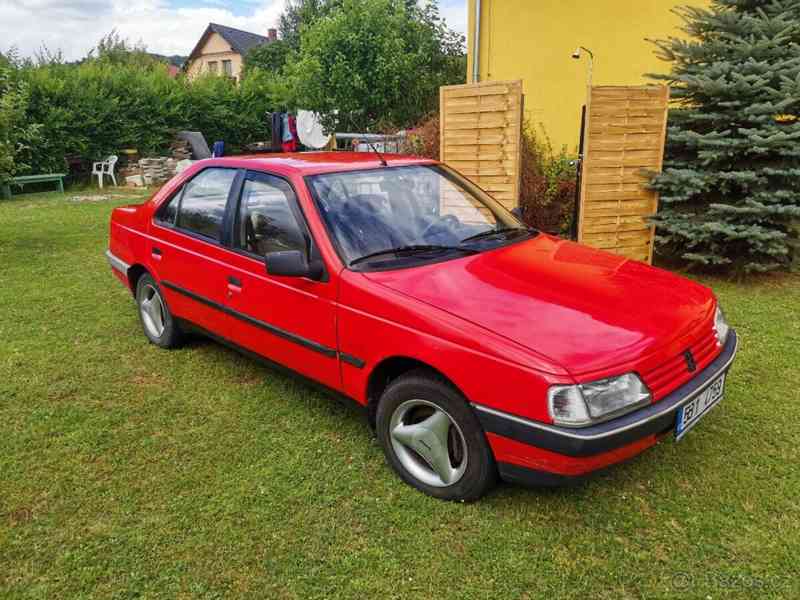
column 212, row 66
column 227, row 68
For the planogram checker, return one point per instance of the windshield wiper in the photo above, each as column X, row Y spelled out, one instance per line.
column 493, row 232
column 410, row 250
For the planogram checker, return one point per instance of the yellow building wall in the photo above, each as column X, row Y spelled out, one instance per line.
column 215, row 49
column 533, row 40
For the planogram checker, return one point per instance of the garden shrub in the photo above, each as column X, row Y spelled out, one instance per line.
column 423, row 140
column 101, row 106
column 547, row 185
column 16, row 134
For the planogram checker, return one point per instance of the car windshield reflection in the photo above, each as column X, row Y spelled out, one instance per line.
column 424, row 212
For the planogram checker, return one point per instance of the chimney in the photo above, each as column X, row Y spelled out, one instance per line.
column 272, row 34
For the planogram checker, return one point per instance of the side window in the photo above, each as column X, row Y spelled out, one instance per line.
column 266, row 221
column 202, row 203
column 167, row 213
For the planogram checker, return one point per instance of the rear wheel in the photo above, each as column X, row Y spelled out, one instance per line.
column 433, row 440
column 157, row 322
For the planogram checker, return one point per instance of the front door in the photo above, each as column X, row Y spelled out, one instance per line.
column 289, row 320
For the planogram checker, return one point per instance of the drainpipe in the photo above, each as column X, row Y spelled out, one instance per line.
column 476, row 44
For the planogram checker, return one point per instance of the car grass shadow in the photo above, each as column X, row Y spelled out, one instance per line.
column 329, row 407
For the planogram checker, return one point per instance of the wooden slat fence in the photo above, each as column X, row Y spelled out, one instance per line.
column 624, row 135
column 481, row 126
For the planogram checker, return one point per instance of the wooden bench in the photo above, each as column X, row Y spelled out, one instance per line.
column 21, row 181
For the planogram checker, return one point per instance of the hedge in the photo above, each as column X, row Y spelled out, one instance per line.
column 97, row 108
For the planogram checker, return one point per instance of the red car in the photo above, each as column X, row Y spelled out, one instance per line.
column 478, row 346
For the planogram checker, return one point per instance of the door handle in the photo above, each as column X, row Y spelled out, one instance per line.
column 234, row 286
column 156, row 252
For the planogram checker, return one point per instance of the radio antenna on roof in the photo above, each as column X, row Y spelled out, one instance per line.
column 380, row 156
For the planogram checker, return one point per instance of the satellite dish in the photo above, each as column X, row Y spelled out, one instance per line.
column 309, row 129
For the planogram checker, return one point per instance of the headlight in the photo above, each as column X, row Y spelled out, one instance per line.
column 721, row 327
column 584, row 404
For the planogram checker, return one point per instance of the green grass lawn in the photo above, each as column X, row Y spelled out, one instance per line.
column 129, row 471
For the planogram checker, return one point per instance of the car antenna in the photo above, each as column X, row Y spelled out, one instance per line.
column 380, row 156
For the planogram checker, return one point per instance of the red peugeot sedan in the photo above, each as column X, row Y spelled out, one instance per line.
column 478, row 346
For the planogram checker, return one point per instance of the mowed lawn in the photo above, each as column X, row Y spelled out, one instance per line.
column 129, row 471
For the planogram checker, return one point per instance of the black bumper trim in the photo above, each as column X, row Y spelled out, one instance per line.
column 587, row 441
column 117, row 263
column 534, row 478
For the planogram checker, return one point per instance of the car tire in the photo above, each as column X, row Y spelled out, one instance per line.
column 157, row 322
column 432, row 438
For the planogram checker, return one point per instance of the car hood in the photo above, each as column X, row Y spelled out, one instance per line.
column 583, row 308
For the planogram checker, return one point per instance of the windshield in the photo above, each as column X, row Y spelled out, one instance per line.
column 423, row 211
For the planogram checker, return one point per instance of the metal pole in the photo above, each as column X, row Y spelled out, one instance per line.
column 476, row 44
column 578, row 176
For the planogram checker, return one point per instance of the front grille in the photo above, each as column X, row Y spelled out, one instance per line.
column 674, row 372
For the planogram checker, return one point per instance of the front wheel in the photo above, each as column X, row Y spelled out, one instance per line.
column 157, row 322
column 433, row 440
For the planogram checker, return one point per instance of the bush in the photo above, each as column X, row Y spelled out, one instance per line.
column 17, row 136
column 423, row 139
column 102, row 106
column 547, row 186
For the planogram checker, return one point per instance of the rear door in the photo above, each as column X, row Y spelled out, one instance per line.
column 290, row 320
column 186, row 248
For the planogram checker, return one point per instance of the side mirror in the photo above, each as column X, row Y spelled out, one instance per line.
column 292, row 263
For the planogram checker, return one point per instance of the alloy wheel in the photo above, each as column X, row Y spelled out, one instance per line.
column 428, row 443
column 152, row 309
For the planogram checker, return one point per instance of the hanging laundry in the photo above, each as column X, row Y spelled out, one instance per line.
column 289, row 133
column 277, row 131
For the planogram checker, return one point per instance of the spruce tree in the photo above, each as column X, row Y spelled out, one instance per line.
column 730, row 188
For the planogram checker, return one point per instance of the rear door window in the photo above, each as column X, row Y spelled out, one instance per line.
column 200, row 206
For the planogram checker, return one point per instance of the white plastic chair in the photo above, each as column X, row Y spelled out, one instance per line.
column 105, row 167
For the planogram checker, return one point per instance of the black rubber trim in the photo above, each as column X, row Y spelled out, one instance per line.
column 352, row 360
column 535, row 478
column 282, row 333
column 587, row 441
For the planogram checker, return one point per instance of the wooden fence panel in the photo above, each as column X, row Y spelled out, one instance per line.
column 625, row 133
column 480, row 131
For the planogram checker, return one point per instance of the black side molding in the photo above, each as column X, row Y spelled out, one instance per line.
column 352, row 360
column 277, row 331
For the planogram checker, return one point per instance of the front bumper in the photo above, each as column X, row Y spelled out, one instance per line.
column 564, row 452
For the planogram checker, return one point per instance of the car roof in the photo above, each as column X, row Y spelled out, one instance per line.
column 312, row 163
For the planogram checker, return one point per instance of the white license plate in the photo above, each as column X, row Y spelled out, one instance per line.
column 689, row 414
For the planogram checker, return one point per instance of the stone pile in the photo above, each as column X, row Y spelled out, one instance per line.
column 156, row 170
column 181, row 150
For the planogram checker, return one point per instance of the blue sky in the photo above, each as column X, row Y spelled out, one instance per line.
column 164, row 26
